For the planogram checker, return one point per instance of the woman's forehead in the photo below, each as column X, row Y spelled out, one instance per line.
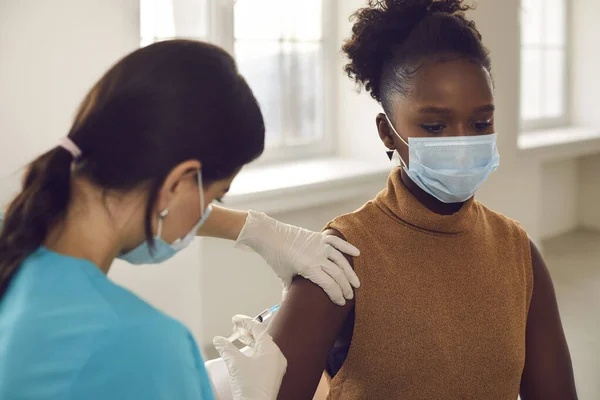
column 458, row 84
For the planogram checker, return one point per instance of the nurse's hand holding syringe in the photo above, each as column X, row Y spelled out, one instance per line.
column 260, row 318
column 258, row 377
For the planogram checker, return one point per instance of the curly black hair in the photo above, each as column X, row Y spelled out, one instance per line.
column 390, row 38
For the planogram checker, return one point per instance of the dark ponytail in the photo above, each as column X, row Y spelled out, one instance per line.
column 164, row 104
column 390, row 38
column 43, row 199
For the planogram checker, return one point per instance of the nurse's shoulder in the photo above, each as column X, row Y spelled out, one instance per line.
column 96, row 339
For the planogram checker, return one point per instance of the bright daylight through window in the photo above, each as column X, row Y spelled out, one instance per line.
column 279, row 47
column 544, row 64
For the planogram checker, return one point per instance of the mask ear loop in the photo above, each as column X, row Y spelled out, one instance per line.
column 391, row 154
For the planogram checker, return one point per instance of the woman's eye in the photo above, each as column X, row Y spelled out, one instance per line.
column 433, row 128
column 482, row 126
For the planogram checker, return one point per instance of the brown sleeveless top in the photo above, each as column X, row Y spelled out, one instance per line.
column 442, row 307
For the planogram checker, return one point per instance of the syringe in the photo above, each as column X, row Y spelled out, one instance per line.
column 262, row 317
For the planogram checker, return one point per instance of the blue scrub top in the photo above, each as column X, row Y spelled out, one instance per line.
column 67, row 332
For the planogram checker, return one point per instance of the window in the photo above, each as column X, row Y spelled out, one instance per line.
column 280, row 49
column 167, row 19
column 544, row 56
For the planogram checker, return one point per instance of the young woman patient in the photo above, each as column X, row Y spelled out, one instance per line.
column 456, row 301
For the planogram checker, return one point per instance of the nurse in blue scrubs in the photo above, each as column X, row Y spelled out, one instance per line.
column 159, row 138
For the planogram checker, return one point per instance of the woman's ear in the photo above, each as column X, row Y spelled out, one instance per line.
column 385, row 132
column 173, row 182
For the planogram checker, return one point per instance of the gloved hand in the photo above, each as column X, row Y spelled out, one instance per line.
column 292, row 251
column 255, row 377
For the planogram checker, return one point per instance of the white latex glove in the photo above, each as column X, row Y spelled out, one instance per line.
column 292, row 251
column 258, row 376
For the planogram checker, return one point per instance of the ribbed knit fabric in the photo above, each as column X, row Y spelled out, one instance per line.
column 442, row 307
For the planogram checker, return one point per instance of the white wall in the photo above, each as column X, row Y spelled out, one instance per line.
column 51, row 52
column 589, row 193
column 357, row 135
column 585, row 62
column 586, row 89
column 560, row 190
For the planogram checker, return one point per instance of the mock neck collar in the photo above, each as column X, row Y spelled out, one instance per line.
column 400, row 204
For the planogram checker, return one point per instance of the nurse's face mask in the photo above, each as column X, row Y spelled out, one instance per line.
column 451, row 169
column 162, row 250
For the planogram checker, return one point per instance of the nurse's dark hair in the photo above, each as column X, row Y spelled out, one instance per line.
column 392, row 38
column 161, row 105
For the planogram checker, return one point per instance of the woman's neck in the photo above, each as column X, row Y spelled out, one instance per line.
column 83, row 236
column 87, row 230
column 432, row 204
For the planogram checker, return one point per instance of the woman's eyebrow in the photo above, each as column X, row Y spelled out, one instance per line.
column 487, row 108
column 435, row 110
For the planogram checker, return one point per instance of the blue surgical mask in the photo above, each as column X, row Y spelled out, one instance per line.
column 451, row 169
column 162, row 250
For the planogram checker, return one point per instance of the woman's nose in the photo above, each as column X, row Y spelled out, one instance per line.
column 464, row 129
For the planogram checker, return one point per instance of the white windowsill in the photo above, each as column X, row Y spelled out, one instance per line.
column 568, row 142
column 300, row 185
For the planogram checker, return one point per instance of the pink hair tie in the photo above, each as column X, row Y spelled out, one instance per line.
column 70, row 146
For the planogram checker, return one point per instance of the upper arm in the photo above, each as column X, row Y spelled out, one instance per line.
column 305, row 329
column 143, row 363
column 548, row 372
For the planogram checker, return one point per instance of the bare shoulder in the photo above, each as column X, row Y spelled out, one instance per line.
column 335, row 232
column 548, row 371
column 305, row 329
column 542, row 281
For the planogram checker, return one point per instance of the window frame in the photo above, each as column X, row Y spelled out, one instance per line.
column 547, row 123
column 220, row 28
